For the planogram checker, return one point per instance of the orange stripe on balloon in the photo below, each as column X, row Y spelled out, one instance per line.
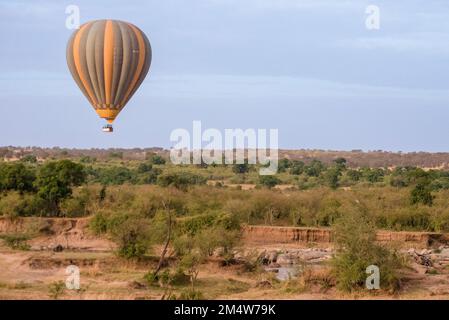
column 76, row 59
column 140, row 65
column 108, row 60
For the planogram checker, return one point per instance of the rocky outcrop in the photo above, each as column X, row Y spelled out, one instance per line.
column 291, row 235
column 270, row 234
column 56, row 234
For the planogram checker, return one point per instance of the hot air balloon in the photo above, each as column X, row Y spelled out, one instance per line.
column 108, row 59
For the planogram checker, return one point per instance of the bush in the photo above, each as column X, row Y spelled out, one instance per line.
column 132, row 237
column 17, row 205
column 190, row 294
column 180, row 180
column 355, row 239
column 297, row 167
column 16, row 176
column 56, row 289
column 409, row 219
column 55, row 181
column 332, row 176
column 156, row 159
column 315, row 168
column 78, row 205
column 329, row 213
column 149, row 177
column 421, row 194
column 98, row 224
column 16, row 241
column 269, row 181
column 240, row 168
column 11, row 205
column 115, row 175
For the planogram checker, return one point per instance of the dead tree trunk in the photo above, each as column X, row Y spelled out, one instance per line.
column 167, row 242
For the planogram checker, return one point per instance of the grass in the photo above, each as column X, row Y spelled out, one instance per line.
column 16, row 241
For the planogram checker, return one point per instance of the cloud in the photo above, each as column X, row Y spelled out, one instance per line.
column 276, row 87
column 218, row 87
column 20, row 9
column 428, row 42
column 286, row 4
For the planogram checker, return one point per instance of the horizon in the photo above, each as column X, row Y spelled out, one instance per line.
column 246, row 149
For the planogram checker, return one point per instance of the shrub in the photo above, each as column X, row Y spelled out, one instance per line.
column 132, row 237
column 78, row 205
column 115, row 175
column 98, row 224
column 240, row 168
column 297, row 167
column 16, row 176
column 17, row 205
column 315, row 168
column 269, row 181
column 357, row 249
column 409, row 219
column 332, row 176
column 149, row 177
column 180, row 180
column 328, row 213
column 16, row 241
column 421, row 194
column 56, row 179
column 190, row 294
column 156, row 159
column 56, row 289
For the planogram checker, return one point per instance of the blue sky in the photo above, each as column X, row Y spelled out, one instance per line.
column 307, row 67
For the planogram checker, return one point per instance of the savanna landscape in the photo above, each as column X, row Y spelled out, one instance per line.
column 139, row 227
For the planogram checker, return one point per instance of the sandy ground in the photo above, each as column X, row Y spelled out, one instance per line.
column 30, row 274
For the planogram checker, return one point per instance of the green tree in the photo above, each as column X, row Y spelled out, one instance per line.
column 269, row 181
column 297, row 167
column 29, row 158
column 356, row 246
column 354, row 175
column 180, row 180
column 240, row 168
column 55, row 181
column 340, row 163
column 421, row 193
column 373, row 175
column 115, row 175
column 315, row 168
column 157, row 159
column 284, row 164
column 132, row 237
column 16, row 176
column 332, row 176
column 144, row 167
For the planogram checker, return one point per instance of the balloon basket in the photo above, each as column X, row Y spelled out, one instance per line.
column 107, row 128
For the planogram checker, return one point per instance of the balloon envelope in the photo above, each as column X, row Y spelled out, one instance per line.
column 108, row 59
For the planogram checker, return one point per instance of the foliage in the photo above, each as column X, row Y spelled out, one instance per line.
column 180, row 180
column 240, row 168
column 269, row 181
column 16, row 241
column 115, row 175
column 56, row 179
column 355, row 239
column 421, row 193
column 17, row 177
column 132, row 237
column 56, row 289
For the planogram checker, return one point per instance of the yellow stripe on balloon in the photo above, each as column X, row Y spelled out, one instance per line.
column 108, row 60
